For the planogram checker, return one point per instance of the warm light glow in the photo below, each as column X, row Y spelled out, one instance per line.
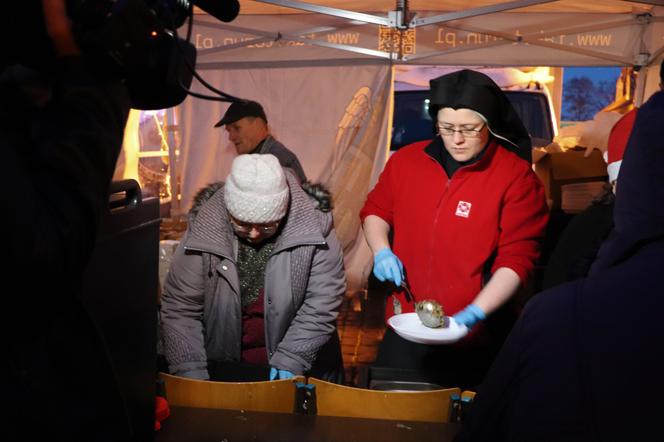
column 131, row 146
column 146, row 152
column 541, row 75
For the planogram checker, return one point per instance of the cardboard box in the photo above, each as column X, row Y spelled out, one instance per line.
column 556, row 169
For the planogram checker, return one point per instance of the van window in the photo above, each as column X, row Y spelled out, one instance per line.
column 412, row 123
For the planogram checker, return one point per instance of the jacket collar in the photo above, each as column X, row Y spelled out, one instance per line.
column 265, row 145
column 436, row 150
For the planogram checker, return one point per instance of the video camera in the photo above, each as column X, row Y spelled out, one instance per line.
column 136, row 39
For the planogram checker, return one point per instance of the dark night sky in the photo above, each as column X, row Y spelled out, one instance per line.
column 596, row 74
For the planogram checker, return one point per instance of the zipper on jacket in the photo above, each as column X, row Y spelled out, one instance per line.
column 435, row 221
column 441, row 203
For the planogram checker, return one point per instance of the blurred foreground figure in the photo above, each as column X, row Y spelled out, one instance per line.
column 62, row 122
column 584, row 362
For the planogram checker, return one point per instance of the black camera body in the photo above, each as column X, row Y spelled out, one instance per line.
column 135, row 39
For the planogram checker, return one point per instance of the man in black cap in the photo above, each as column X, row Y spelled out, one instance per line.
column 247, row 129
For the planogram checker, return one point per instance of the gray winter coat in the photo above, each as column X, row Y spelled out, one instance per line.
column 304, row 286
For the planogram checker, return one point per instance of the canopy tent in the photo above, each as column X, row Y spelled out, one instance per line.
column 324, row 73
column 472, row 32
column 456, row 32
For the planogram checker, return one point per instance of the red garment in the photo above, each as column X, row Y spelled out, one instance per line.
column 617, row 142
column 445, row 230
column 253, row 332
column 619, row 135
column 161, row 412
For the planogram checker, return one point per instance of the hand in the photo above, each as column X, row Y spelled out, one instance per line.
column 280, row 374
column 469, row 316
column 388, row 267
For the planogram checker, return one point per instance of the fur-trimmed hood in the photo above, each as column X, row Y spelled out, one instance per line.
column 308, row 219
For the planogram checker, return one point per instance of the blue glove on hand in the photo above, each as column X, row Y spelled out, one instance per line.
column 388, row 267
column 280, row 374
column 469, row 316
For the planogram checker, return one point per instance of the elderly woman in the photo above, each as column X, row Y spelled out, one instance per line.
column 255, row 285
column 467, row 213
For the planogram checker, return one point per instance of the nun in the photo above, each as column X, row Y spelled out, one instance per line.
column 458, row 218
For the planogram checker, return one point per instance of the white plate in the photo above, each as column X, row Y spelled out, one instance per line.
column 409, row 326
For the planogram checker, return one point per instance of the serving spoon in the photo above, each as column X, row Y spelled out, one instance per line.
column 429, row 311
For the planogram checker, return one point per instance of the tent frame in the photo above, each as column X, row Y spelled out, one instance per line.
column 402, row 19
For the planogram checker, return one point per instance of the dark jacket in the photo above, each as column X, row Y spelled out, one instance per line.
column 579, row 243
column 59, row 152
column 286, row 157
column 304, row 287
column 585, row 360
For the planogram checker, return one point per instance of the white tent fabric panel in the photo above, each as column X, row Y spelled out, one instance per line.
column 305, row 108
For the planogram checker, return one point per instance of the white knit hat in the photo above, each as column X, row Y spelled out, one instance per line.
column 256, row 190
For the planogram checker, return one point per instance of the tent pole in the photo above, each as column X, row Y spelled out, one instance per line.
column 351, row 15
column 173, row 150
column 640, row 88
column 474, row 12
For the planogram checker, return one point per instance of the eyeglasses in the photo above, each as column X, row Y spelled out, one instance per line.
column 245, row 228
column 467, row 133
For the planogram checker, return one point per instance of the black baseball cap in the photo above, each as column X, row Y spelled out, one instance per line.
column 241, row 109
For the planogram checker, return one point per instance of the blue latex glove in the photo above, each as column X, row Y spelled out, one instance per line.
column 470, row 316
column 280, row 374
column 388, row 267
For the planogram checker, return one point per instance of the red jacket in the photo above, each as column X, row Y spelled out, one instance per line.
column 447, row 230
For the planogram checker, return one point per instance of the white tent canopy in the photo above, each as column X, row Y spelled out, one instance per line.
column 473, row 32
column 324, row 73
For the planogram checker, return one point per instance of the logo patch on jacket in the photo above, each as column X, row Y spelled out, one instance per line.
column 463, row 209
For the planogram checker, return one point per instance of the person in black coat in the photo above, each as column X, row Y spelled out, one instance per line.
column 62, row 122
column 584, row 361
column 579, row 243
